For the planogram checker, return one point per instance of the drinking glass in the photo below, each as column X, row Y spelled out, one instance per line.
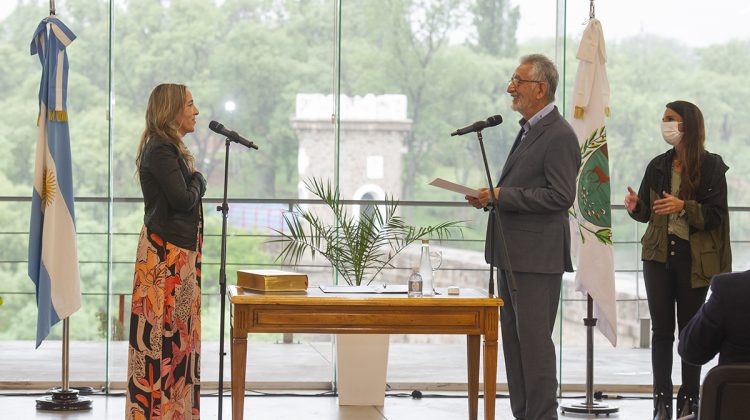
column 436, row 259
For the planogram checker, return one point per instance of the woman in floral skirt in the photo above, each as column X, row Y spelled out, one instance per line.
column 164, row 346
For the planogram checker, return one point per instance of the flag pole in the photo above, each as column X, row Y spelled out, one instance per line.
column 66, row 354
column 54, row 264
column 589, row 407
column 64, row 399
column 590, row 129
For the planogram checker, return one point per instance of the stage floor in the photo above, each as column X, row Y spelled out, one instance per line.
column 638, row 406
column 306, row 369
column 308, row 365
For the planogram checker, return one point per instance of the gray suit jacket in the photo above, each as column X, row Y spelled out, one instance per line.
column 538, row 186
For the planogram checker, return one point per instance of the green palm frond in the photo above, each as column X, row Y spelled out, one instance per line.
column 358, row 249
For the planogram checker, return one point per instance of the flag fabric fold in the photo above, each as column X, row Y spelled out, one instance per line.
column 591, row 215
column 53, row 255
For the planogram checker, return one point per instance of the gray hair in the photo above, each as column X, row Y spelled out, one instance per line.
column 543, row 69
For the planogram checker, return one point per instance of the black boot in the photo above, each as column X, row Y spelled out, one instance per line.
column 686, row 403
column 681, row 397
column 688, row 406
column 662, row 407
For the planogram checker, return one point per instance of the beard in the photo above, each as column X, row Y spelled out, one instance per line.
column 519, row 104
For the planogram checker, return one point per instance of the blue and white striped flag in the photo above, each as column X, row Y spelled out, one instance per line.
column 53, row 255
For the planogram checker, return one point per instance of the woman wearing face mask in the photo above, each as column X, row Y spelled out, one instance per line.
column 683, row 198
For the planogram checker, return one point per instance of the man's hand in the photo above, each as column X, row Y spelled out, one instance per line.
column 483, row 199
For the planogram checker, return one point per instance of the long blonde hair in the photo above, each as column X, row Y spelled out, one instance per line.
column 165, row 103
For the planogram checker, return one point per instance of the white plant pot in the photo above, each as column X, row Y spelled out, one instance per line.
column 362, row 362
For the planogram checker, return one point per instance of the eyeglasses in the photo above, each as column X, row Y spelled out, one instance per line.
column 517, row 81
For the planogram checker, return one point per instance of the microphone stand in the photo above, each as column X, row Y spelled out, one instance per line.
column 498, row 231
column 224, row 209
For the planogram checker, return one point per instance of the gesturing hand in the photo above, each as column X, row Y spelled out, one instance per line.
column 631, row 200
column 668, row 205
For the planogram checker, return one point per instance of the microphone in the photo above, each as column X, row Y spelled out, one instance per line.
column 231, row 135
column 479, row 125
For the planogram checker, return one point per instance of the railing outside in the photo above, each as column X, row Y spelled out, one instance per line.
column 250, row 220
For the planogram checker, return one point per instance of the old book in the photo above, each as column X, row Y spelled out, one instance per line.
column 272, row 280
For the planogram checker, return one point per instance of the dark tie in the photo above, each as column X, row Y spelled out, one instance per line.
column 517, row 142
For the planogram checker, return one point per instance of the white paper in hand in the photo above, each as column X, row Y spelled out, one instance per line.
column 450, row 186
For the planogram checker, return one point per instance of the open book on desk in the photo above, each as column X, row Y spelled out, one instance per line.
column 451, row 186
column 366, row 289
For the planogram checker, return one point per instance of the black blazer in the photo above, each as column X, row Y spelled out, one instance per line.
column 171, row 194
column 722, row 325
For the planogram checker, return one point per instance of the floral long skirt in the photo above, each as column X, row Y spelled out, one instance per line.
column 165, row 332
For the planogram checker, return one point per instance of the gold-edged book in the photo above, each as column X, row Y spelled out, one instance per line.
column 272, row 280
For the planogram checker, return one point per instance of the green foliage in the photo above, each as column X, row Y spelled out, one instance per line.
column 118, row 328
column 445, row 83
column 496, row 22
column 260, row 54
column 357, row 247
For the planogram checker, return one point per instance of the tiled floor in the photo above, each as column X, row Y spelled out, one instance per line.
column 454, row 407
column 430, row 368
column 309, row 364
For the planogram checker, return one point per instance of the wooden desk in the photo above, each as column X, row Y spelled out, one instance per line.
column 471, row 313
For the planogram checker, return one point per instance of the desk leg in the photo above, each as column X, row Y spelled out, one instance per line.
column 239, row 358
column 472, row 358
column 490, row 362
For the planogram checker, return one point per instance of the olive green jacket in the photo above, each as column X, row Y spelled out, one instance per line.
column 707, row 216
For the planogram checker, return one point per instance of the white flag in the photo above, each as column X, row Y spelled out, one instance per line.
column 591, row 220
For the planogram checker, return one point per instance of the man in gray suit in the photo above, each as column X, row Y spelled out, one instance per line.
column 536, row 188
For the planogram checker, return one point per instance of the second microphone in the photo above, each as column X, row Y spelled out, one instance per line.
column 479, row 125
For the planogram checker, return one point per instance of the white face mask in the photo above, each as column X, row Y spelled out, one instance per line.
column 670, row 132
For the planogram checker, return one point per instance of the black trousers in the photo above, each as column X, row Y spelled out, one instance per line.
column 668, row 285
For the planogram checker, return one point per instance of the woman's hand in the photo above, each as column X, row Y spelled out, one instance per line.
column 201, row 182
column 631, row 200
column 668, row 205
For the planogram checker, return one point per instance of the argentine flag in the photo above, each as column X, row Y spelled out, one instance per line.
column 53, row 256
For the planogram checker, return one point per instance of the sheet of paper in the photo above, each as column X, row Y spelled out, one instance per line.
column 450, row 186
column 390, row 288
column 347, row 289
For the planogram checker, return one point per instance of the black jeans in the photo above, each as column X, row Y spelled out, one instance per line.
column 666, row 285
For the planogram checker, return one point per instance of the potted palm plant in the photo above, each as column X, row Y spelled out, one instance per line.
column 358, row 249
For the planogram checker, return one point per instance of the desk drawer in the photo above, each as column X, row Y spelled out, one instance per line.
column 320, row 319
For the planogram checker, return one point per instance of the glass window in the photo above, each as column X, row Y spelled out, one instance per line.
column 408, row 73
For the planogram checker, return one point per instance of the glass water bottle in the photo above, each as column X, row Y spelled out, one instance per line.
column 425, row 270
column 414, row 285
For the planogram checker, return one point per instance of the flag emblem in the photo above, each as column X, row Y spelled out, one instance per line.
column 594, row 188
column 49, row 190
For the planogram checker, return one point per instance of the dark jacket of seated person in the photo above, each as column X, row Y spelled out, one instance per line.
column 721, row 325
